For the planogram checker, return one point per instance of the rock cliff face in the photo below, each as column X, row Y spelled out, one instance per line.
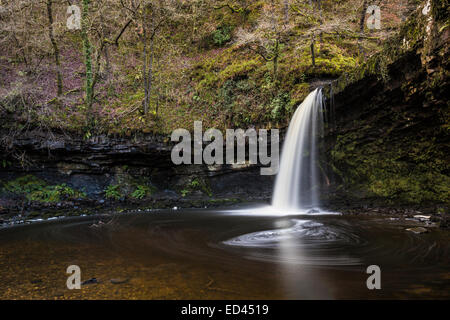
column 390, row 143
column 105, row 168
column 87, row 163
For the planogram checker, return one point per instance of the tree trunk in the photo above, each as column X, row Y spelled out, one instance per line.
column 194, row 25
column 51, row 34
column 144, row 68
column 150, row 71
column 363, row 17
column 87, row 48
column 313, row 56
column 286, row 11
column 361, row 29
column 275, row 61
column 108, row 65
column 148, row 77
column 106, row 50
column 319, row 3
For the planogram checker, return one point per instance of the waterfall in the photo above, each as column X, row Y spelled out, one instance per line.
column 297, row 182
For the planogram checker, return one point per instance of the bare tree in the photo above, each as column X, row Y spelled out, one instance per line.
column 266, row 38
column 150, row 17
column 286, row 11
column 361, row 27
column 87, row 50
column 99, row 20
column 51, row 34
column 236, row 6
column 22, row 29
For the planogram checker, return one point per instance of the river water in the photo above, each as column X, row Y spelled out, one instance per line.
column 214, row 254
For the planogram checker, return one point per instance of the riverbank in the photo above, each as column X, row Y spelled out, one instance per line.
column 426, row 217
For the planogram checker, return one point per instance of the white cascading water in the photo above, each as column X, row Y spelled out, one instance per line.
column 297, row 182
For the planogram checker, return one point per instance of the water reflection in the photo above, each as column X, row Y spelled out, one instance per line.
column 295, row 246
column 204, row 254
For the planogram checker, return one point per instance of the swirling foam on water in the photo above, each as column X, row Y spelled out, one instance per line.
column 301, row 229
column 303, row 242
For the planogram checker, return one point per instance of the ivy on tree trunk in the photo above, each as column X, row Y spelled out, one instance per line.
column 51, row 34
column 87, row 50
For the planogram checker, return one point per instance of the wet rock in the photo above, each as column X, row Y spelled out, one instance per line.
column 59, row 294
column 93, row 165
column 417, row 230
column 90, row 281
column 422, row 217
column 119, row 281
column 98, row 225
column 36, row 281
column 54, row 145
column 68, row 168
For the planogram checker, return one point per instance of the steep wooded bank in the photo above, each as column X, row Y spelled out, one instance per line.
column 155, row 66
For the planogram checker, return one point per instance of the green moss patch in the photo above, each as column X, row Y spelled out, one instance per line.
column 34, row 189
